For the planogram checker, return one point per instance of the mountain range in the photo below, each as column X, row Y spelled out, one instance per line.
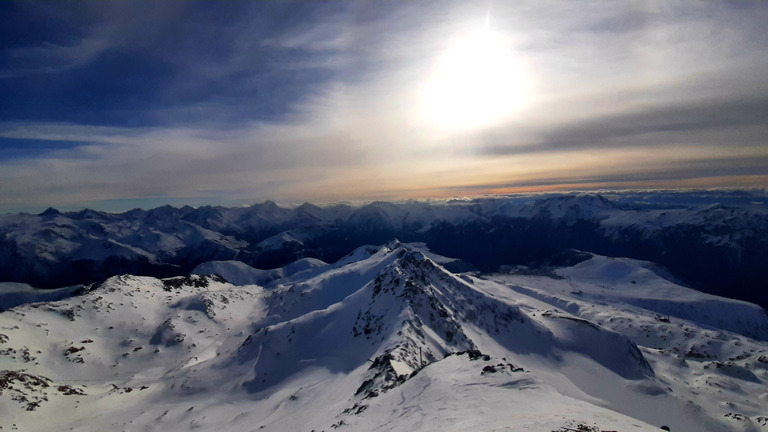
column 713, row 241
column 385, row 339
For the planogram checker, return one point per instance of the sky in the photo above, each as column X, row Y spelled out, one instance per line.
column 114, row 105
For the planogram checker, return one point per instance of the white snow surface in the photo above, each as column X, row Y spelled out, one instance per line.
column 239, row 273
column 13, row 294
column 386, row 339
column 281, row 240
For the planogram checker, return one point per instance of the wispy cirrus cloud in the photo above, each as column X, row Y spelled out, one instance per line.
column 690, row 123
column 52, row 59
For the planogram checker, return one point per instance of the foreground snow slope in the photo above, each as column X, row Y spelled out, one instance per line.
column 387, row 339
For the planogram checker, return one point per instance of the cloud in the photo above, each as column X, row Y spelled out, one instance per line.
column 735, row 122
column 318, row 101
column 52, row 59
column 266, row 160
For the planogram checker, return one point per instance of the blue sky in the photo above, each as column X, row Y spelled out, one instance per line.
column 119, row 104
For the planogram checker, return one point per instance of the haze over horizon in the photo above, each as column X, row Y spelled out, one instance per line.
column 114, row 105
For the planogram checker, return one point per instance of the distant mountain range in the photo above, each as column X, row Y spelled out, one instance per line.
column 716, row 242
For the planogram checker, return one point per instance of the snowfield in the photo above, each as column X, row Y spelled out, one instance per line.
column 385, row 339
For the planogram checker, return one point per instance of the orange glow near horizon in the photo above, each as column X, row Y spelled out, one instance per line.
column 725, row 182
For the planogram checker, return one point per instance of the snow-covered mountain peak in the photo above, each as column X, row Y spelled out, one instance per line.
column 50, row 211
column 386, row 338
column 397, row 320
column 394, row 244
column 65, row 249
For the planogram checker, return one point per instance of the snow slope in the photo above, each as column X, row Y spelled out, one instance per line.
column 13, row 294
column 387, row 339
column 239, row 273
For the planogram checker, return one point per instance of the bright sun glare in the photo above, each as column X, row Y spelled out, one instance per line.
column 477, row 81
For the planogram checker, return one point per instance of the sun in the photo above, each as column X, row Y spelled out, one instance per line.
column 476, row 81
